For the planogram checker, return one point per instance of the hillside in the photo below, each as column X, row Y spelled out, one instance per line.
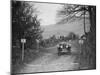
column 63, row 29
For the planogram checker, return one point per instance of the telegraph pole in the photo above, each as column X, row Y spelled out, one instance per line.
column 84, row 20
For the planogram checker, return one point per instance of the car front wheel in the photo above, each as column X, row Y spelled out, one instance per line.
column 59, row 54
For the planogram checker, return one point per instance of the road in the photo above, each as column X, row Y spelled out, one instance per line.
column 50, row 61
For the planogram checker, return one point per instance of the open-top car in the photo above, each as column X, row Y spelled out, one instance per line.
column 64, row 48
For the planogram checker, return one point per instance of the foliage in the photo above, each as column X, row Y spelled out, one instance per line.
column 24, row 24
column 68, row 12
column 72, row 36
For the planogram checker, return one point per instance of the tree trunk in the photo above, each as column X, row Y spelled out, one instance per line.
column 92, row 12
column 92, row 36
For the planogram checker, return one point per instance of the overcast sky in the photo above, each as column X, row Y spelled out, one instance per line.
column 47, row 12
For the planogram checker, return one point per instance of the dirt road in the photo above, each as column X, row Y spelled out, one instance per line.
column 50, row 61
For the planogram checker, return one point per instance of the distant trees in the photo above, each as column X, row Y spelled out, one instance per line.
column 72, row 36
column 51, row 41
column 24, row 22
column 54, row 40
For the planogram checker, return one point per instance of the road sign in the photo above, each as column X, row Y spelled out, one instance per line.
column 23, row 40
column 81, row 41
column 37, row 40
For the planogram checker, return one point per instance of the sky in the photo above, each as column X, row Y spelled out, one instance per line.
column 47, row 12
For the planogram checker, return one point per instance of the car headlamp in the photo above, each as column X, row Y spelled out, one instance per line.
column 66, row 46
column 61, row 46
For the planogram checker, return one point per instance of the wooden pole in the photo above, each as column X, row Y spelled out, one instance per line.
column 22, row 51
column 84, row 20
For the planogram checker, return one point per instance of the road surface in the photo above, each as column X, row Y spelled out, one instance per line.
column 50, row 61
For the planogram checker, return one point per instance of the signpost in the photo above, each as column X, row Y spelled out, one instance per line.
column 23, row 41
column 37, row 41
column 81, row 41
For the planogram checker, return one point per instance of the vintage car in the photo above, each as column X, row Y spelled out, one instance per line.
column 64, row 48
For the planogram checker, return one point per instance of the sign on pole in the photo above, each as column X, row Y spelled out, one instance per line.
column 23, row 41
